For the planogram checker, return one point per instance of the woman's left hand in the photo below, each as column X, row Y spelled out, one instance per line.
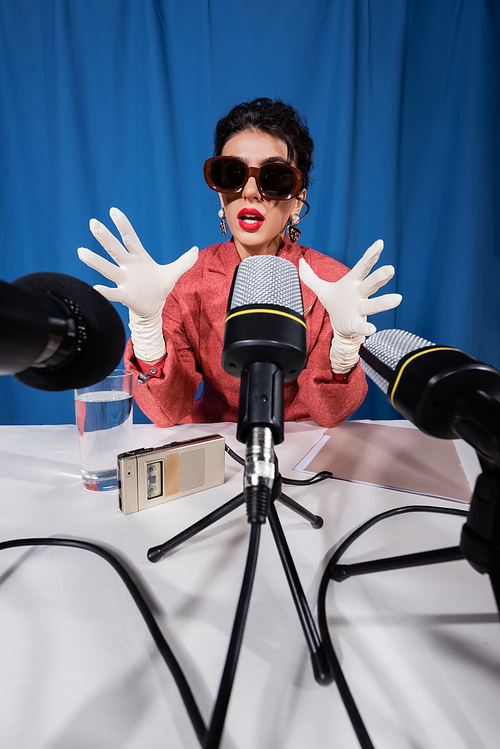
column 348, row 305
column 346, row 301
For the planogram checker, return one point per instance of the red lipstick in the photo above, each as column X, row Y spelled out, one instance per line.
column 250, row 219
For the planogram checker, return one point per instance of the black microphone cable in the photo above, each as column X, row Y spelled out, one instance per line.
column 329, row 575
column 139, row 600
column 209, row 737
column 321, row 476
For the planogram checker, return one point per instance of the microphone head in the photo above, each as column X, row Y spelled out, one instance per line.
column 266, row 279
column 100, row 339
column 382, row 352
column 265, row 317
column 425, row 381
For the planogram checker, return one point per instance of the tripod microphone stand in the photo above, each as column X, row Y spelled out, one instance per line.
column 477, row 421
column 479, row 541
column 262, row 488
column 320, row 665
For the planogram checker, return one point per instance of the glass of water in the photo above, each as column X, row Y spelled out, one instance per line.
column 104, row 420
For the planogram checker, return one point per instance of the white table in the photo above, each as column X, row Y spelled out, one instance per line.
column 420, row 647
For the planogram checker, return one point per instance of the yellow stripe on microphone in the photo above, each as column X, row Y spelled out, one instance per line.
column 268, row 312
column 415, row 356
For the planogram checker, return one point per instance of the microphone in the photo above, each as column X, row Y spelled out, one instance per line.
column 57, row 332
column 265, row 339
column 443, row 391
column 265, row 345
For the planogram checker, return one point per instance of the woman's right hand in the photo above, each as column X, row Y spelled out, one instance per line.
column 142, row 285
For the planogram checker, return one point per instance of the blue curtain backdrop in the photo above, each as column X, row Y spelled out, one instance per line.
column 113, row 103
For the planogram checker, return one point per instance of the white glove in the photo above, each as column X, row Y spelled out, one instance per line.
column 142, row 284
column 347, row 304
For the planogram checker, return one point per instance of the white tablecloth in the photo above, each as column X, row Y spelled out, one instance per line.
column 79, row 670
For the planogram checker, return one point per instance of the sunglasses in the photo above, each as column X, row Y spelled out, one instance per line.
column 274, row 180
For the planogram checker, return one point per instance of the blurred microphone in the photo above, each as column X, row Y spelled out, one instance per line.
column 265, row 345
column 441, row 390
column 57, row 332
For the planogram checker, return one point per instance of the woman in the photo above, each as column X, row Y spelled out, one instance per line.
column 261, row 164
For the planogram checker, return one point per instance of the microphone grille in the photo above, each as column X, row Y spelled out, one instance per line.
column 389, row 347
column 267, row 279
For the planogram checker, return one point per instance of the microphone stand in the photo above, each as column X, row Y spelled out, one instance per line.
column 260, row 424
column 320, row 665
column 476, row 420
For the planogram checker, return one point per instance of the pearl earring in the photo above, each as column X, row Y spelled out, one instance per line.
column 223, row 225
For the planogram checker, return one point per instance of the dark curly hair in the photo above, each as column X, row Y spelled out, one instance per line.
column 273, row 117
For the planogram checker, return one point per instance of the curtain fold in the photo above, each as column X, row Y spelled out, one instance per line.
column 114, row 103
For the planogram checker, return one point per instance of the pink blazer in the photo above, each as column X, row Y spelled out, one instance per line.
column 193, row 328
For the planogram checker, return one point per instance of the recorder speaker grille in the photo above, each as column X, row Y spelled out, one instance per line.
column 191, row 470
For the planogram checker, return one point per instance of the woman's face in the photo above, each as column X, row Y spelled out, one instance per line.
column 257, row 223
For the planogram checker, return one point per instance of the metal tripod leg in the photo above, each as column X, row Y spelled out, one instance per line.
column 342, row 571
column 156, row 553
column 321, row 667
column 315, row 520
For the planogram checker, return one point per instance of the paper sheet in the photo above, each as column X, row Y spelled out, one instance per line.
column 394, row 457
